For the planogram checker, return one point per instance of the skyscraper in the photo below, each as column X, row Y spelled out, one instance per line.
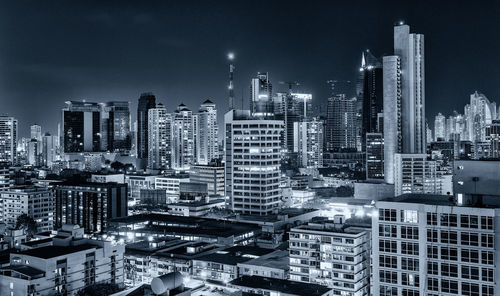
column 36, row 132
column 261, row 91
column 8, row 139
column 81, row 127
column 253, row 163
column 146, row 102
column 404, row 98
column 440, row 127
column 308, row 143
column 372, row 94
column 208, row 133
column 50, row 146
column 159, row 138
column 478, row 114
column 341, row 123
column 184, row 137
column 117, row 125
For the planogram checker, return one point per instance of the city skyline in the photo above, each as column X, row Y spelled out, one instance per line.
column 50, row 55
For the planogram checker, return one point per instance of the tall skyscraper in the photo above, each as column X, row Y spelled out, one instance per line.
column 184, row 138
column 36, row 132
column 404, row 98
column 253, row 163
column 308, row 143
column 50, row 147
column 261, row 92
column 81, row 127
column 208, row 133
column 116, row 126
column 479, row 113
column 440, row 127
column 371, row 94
column 159, row 138
column 146, row 102
column 341, row 131
column 8, row 139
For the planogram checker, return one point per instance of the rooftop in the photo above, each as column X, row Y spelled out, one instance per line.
column 24, row 270
column 56, row 251
column 235, row 255
column 283, row 286
column 278, row 259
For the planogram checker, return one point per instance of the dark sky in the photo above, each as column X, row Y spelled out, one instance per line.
column 52, row 51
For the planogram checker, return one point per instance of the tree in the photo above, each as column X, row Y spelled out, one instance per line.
column 28, row 224
column 102, row 289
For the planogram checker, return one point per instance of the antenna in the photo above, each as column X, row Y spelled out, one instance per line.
column 230, row 57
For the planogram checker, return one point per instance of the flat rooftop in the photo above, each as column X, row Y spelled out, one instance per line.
column 278, row 259
column 24, row 270
column 282, row 286
column 56, row 251
column 235, row 255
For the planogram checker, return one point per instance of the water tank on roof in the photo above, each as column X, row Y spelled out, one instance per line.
column 167, row 282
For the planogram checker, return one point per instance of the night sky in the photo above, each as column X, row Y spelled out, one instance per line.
column 53, row 51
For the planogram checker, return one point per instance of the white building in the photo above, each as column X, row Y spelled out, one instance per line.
column 414, row 173
column 440, row 127
column 8, row 139
column 171, row 184
column 426, row 245
column 308, row 143
column 332, row 255
column 479, row 113
column 184, row 138
column 159, row 138
column 253, row 163
column 211, row 174
column 36, row 202
column 208, row 130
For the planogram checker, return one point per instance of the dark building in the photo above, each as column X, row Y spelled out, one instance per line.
column 81, row 127
column 146, row 101
column 116, row 126
column 89, row 205
column 375, row 156
column 370, row 91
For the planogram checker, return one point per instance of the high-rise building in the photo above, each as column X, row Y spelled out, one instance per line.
column 371, row 94
column 146, row 102
column 36, row 202
column 261, row 93
column 478, row 114
column 208, row 133
column 34, row 152
column 184, row 138
column 404, row 98
column 341, row 131
column 440, row 127
column 493, row 138
column 5, row 176
column 89, row 205
column 429, row 245
column 81, row 127
column 252, row 163
column 115, row 131
column 374, row 156
column 159, row 138
column 50, row 147
column 8, row 139
column 36, row 132
column 332, row 254
column 308, row 143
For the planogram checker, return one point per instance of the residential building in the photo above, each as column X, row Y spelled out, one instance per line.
column 8, row 139
column 146, row 102
column 440, row 128
column 159, row 138
column 308, row 143
column 208, row 133
column 341, row 123
column 211, row 174
column 184, row 138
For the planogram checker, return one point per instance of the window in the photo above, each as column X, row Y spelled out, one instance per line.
column 388, row 291
column 388, row 261
column 432, row 236
column 386, row 230
column 449, row 237
column 488, row 290
column 487, row 222
column 469, row 239
column 432, row 252
column 409, row 232
column 387, row 215
column 409, row 248
column 431, row 219
column 388, row 277
column 449, row 220
column 487, row 257
column 450, row 270
column 408, row 279
column 408, row 292
column 469, row 221
column 409, row 264
column 448, row 286
column 432, row 268
column 487, row 240
column 470, row 272
column 448, row 253
column 470, row 289
column 487, row 274
column 388, row 246
column 433, row 284
column 471, row 256
column 409, row 216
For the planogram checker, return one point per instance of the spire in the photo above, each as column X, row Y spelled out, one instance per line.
column 363, row 62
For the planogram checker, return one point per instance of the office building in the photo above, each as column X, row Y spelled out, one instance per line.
column 374, row 156
column 137, row 182
column 308, row 143
column 36, row 132
column 428, row 245
column 90, row 205
column 414, row 173
column 404, row 98
column 341, row 132
column 146, row 102
column 440, row 128
column 261, row 93
column 159, row 138
column 36, row 202
column 50, row 149
column 65, row 267
column 8, row 139
column 252, row 163
column 115, row 126
column 81, row 127
column 34, row 152
column 208, row 133
column 493, row 138
column 331, row 254
column 211, row 174
column 184, row 138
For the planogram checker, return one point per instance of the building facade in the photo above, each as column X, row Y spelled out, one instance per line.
column 146, row 102
column 159, row 138
column 208, row 130
column 8, row 139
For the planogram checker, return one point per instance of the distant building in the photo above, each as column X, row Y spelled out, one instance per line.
column 479, row 113
column 184, row 138
column 341, row 123
column 8, row 139
column 36, row 132
column 374, row 156
column 440, row 127
column 212, row 174
column 50, row 150
column 414, row 173
column 159, row 138
column 308, row 143
column 261, row 93
column 208, row 133
column 115, row 126
column 81, row 127
column 146, row 102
